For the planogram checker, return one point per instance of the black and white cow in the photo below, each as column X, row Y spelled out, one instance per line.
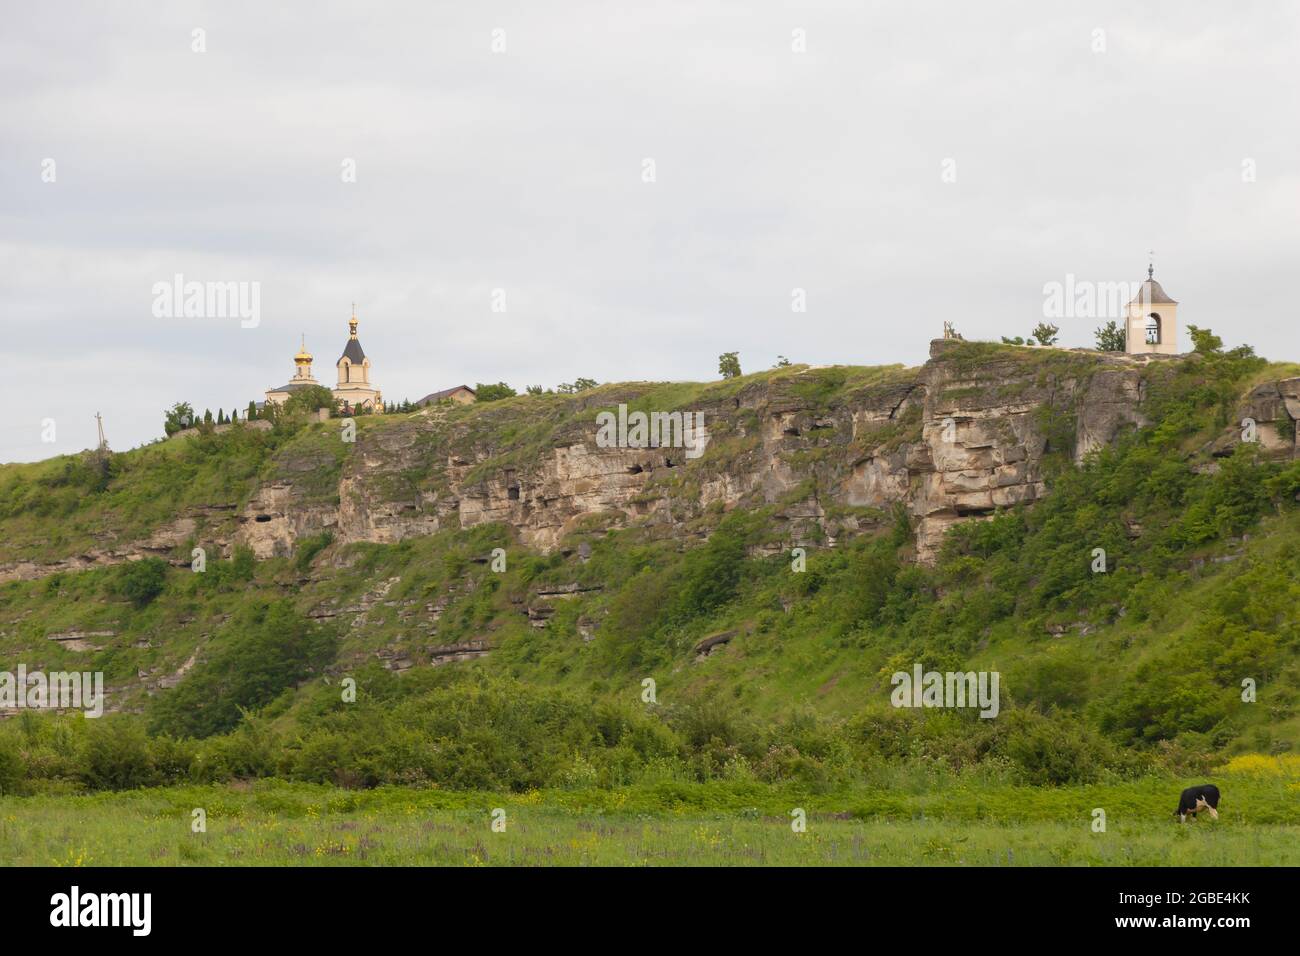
column 1195, row 799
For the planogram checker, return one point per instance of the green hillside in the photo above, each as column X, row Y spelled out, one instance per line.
column 1105, row 676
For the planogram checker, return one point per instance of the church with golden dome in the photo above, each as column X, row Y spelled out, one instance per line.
column 353, row 390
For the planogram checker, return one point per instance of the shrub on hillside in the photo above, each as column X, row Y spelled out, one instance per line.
column 12, row 769
column 1050, row 752
column 492, row 393
column 262, row 651
column 116, row 755
column 309, row 547
column 141, row 581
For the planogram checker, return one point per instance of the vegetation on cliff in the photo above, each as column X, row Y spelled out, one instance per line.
column 1106, row 674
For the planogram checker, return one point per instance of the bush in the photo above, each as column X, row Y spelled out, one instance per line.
column 493, row 393
column 709, row 575
column 116, row 755
column 1045, row 333
column 263, row 651
column 1052, row 752
column 12, row 769
column 179, row 417
column 310, row 547
column 142, row 581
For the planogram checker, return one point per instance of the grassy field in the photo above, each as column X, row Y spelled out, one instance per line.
column 274, row 824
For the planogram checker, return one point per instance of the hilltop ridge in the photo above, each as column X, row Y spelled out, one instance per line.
column 833, row 448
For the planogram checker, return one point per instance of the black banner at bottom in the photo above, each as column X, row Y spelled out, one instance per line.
column 338, row 904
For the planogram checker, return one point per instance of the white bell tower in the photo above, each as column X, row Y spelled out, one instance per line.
column 1151, row 324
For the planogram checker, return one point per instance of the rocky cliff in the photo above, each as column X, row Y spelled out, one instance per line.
column 835, row 451
column 958, row 438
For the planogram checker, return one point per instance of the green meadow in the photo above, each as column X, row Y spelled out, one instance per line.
column 964, row 822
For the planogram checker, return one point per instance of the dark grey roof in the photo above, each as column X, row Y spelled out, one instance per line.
column 293, row 387
column 445, row 393
column 1150, row 292
column 353, row 352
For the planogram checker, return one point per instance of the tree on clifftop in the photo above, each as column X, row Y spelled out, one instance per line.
column 1046, row 333
column 492, row 393
column 1110, row 337
column 178, row 417
column 1204, row 341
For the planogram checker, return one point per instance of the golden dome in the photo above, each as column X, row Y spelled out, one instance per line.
column 303, row 357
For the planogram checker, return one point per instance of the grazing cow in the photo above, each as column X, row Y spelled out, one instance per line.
column 1195, row 799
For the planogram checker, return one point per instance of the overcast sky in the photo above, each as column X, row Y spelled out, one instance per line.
column 1073, row 141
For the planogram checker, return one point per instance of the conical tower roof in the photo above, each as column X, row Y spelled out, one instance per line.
column 353, row 351
column 1150, row 292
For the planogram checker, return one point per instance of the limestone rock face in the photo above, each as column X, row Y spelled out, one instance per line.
column 989, row 424
column 1114, row 401
column 161, row 543
column 1274, row 407
column 273, row 521
column 1268, row 417
column 953, row 440
column 966, row 434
